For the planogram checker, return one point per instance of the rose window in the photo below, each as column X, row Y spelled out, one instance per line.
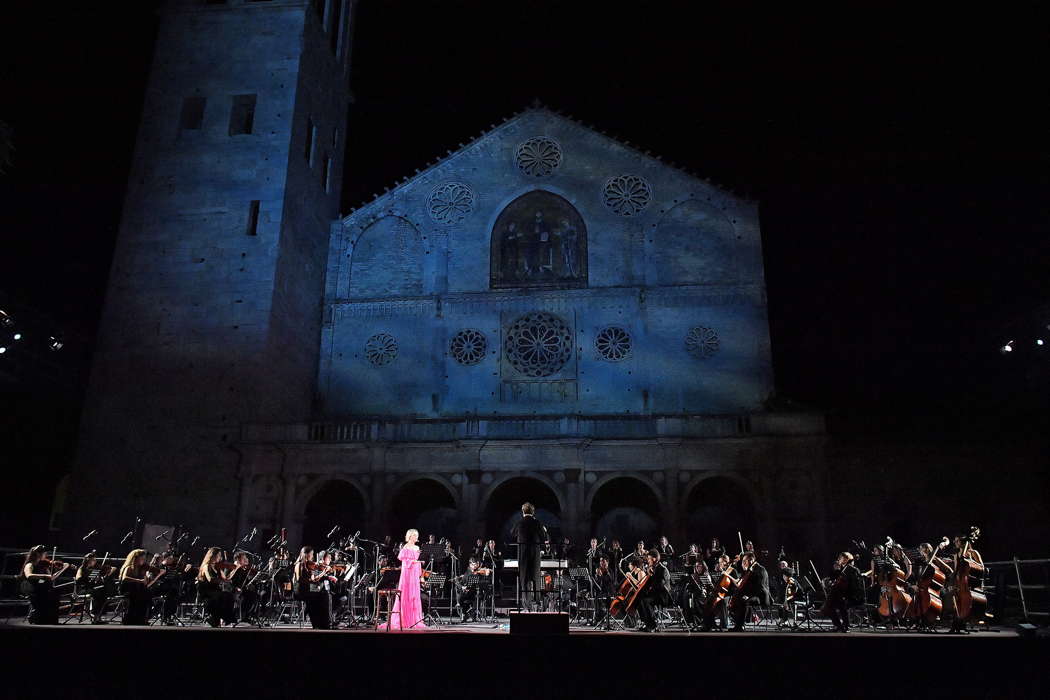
column 468, row 346
column 701, row 342
column 380, row 349
column 627, row 194
column 613, row 343
column 538, row 156
column 450, row 203
column 538, row 344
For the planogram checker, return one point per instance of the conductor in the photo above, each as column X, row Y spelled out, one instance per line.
column 530, row 535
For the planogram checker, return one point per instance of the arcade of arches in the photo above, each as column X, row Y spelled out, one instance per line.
column 686, row 506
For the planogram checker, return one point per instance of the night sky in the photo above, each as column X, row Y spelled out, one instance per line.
column 900, row 160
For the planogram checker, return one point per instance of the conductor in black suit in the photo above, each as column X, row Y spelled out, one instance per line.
column 530, row 534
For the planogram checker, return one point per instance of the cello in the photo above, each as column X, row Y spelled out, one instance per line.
column 627, row 595
column 970, row 600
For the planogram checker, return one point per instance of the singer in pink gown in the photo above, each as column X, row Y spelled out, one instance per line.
column 407, row 611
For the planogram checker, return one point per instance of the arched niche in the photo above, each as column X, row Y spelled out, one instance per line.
column 503, row 508
column 335, row 502
column 387, row 260
column 720, row 507
column 693, row 243
column 538, row 240
column 426, row 505
column 626, row 508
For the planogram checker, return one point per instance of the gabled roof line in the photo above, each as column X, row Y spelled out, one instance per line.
column 536, row 106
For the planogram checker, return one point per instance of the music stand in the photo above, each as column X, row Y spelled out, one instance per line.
column 434, row 581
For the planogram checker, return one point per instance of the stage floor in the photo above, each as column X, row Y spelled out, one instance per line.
column 482, row 661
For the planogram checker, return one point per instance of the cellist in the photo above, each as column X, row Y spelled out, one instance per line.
column 716, row 604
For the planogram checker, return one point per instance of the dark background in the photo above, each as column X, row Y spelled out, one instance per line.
column 899, row 161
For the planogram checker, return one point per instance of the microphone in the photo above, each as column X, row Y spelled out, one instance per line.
column 125, row 538
column 252, row 536
column 194, row 540
column 161, row 535
column 332, row 532
column 90, row 534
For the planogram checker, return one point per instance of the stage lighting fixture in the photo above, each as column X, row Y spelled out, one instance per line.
column 18, row 336
column 55, row 343
column 1005, row 349
column 2, row 349
column 5, row 319
column 1038, row 341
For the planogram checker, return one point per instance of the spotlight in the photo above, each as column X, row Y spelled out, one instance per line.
column 18, row 336
column 1038, row 341
column 2, row 349
column 1005, row 349
column 5, row 319
column 55, row 343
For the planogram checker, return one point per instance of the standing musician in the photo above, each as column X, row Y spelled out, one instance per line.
column 604, row 587
column 754, row 588
column 213, row 582
column 245, row 596
column 40, row 574
column 665, row 549
column 616, row 555
column 594, row 554
column 91, row 579
column 308, row 577
column 713, row 554
column 136, row 579
column 530, row 535
column 845, row 590
column 490, row 554
column 963, row 550
column 657, row 590
column 788, row 592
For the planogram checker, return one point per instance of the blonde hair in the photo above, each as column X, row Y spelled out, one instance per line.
column 204, row 573
column 129, row 561
column 409, row 531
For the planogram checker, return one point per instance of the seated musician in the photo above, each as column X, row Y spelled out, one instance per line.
column 616, row 555
column 663, row 546
column 468, row 592
column 788, row 591
column 244, row 593
column 716, row 607
column 846, row 591
column 640, row 551
column 90, row 580
column 754, row 589
column 40, row 575
column 657, row 591
column 172, row 585
column 214, row 585
column 136, row 579
column 692, row 556
column 695, row 593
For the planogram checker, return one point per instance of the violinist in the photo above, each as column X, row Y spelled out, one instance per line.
column 604, row 587
column 136, row 579
column 40, row 574
column 245, row 595
column 309, row 578
column 692, row 556
column 657, row 590
column 468, row 592
column 753, row 588
column 789, row 589
column 90, row 580
column 172, row 585
column 213, row 583
column 845, row 590
column 713, row 554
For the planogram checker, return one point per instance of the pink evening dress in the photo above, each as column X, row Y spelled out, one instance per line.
column 407, row 612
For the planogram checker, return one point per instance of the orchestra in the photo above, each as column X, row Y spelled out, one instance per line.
column 932, row 586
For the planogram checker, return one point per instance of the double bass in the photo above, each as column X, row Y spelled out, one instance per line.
column 894, row 599
column 927, row 604
column 970, row 600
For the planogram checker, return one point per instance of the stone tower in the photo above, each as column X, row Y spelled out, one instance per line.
column 213, row 311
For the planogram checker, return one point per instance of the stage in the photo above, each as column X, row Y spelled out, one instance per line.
column 483, row 661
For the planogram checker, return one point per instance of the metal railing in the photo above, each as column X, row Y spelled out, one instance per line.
column 1027, row 598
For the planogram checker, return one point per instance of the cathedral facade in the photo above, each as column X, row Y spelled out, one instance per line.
column 547, row 314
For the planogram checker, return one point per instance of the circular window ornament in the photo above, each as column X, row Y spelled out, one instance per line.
column 538, row 344
column 701, row 342
column 627, row 195
column 450, row 203
column 468, row 346
column 538, row 157
column 380, row 349
column 613, row 344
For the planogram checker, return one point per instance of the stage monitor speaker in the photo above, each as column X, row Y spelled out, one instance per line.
column 539, row 623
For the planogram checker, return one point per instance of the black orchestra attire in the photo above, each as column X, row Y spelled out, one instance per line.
column 318, row 601
column 604, row 589
column 530, row 535
column 139, row 597
column 218, row 595
column 657, row 592
column 839, row 606
column 247, row 599
column 90, row 582
column 615, row 555
column 43, row 597
column 694, row 596
column 755, row 590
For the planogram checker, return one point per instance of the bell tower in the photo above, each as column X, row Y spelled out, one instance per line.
column 213, row 310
